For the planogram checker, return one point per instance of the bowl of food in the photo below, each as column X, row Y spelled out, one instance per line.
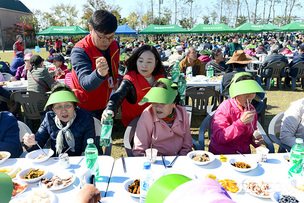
column 38, row 156
column 279, row 197
column 132, row 187
column 4, row 156
column 242, row 165
column 201, row 157
column 31, row 175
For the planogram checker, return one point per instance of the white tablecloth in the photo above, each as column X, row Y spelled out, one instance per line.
column 78, row 166
column 201, row 81
column 274, row 169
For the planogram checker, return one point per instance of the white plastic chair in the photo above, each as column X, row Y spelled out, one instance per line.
column 7, row 76
column 129, row 135
column 23, row 128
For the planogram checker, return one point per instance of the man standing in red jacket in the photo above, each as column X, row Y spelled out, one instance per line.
column 95, row 63
column 18, row 45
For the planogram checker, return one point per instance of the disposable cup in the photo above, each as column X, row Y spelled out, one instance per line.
column 151, row 157
column 262, row 154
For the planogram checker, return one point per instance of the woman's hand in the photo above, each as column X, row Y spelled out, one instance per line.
column 102, row 66
column 88, row 194
column 258, row 140
column 105, row 115
column 13, row 79
column 247, row 116
column 29, row 139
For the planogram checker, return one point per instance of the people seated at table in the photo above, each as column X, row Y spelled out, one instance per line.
column 261, row 49
column 88, row 194
column 144, row 68
column 217, row 62
column 38, row 78
column 233, row 46
column 292, row 126
column 273, row 57
column 191, row 60
column 59, row 69
column 17, row 61
column 250, row 50
column 51, row 53
column 9, row 134
column 65, row 125
column 69, row 48
column 296, row 59
column 177, row 55
column 235, row 119
column 164, row 124
column 22, row 70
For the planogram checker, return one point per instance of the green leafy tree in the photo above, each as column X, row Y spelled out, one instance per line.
column 132, row 20
column 65, row 14
column 206, row 20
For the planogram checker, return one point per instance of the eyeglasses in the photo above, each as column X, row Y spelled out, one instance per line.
column 66, row 106
column 103, row 38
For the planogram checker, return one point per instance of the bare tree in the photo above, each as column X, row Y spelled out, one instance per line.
column 237, row 12
column 221, row 12
column 269, row 12
column 264, row 10
column 152, row 2
column 248, row 12
column 175, row 17
column 255, row 11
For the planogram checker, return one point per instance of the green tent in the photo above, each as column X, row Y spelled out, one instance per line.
column 58, row 30
column 217, row 28
column 163, row 29
column 249, row 27
column 294, row 26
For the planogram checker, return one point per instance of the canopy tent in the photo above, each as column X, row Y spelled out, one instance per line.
column 125, row 30
column 294, row 26
column 249, row 27
column 163, row 29
column 59, row 30
column 217, row 28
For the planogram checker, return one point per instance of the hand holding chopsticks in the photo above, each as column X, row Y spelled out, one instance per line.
column 41, row 149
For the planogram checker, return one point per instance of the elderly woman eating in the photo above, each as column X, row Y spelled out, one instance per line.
column 66, row 125
column 235, row 120
column 163, row 124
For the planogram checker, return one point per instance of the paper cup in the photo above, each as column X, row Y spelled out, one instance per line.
column 151, row 158
column 262, row 153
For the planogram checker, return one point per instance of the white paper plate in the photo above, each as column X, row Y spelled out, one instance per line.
column 252, row 163
column 61, row 175
column 22, row 173
column 273, row 187
column 35, row 154
column 125, row 187
column 25, row 196
column 192, row 153
column 7, row 154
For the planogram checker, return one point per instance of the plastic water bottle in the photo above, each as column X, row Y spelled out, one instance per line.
column 106, row 131
column 91, row 155
column 189, row 73
column 175, row 72
column 145, row 181
column 182, row 87
column 210, row 71
column 296, row 159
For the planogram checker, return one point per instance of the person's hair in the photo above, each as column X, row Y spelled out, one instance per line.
column 35, row 62
column 215, row 53
column 238, row 65
column 187, row 51
column 103, row 21
column 161, row 84
column 18, row 36
column 234, row 36
column 275, row 48
column 61, row 87
column 244, row 77
column 131, row 62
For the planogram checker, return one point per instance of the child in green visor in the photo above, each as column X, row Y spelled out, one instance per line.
column 164, row 124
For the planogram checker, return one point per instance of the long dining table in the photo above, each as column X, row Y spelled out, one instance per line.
column 273, row 170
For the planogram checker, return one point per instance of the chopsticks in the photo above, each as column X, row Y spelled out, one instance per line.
column 123, row 163
column 163, row 159
column 249, row 110
column 41, row 148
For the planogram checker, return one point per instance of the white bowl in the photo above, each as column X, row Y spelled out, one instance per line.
column 22, row 173
column 125, row 187
column 7, row 154
column 192, row 153
column 35, row 154
column 253, row 164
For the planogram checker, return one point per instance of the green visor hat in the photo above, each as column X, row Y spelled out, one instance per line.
column 251, row 46
column 61, row 96
column 160, row 94
column 244, row 86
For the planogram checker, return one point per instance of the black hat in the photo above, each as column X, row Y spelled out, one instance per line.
column 35, row 60
column 58, row 57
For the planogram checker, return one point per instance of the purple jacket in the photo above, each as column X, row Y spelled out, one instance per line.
column 20, row 73
column 229, row 134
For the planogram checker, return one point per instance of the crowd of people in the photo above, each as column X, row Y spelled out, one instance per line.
column 106, row 74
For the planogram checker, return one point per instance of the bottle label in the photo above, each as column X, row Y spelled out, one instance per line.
column 175, row 75
column 106, row 131
column 92, row 164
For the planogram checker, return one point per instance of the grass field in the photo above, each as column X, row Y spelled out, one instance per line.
column 278, row 101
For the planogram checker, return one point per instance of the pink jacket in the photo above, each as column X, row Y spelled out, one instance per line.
column 168, row 141
column 229, row 134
